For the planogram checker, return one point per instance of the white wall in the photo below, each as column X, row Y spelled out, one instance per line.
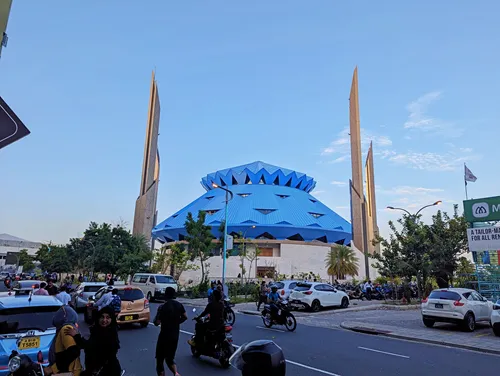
column 294, row 259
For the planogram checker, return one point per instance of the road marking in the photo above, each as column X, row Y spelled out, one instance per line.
column 383, row 352
column 288, row 361
column 275, row 330
column 482, row 335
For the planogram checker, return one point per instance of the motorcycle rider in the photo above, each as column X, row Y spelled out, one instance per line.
column 259, row 358
column 272, row 298
column 368, row 288
column 216, row 311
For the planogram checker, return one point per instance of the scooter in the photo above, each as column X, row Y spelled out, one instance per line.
column 217, row 345
column 283, row 317
column 229, row 316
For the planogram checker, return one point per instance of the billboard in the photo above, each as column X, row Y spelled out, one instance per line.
column 11, row 127
column 484, row 238
column 482, row 209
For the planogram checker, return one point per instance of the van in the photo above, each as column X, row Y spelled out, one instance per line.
column 153, row 285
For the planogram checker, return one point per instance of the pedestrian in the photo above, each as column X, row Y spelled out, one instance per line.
column 63, row 296
column 72, row 278
column 51, row 288
column 80, row 278
column 105, row 299
column 41, row 290
column 170, row 316
column 64, row 354
column 211, row 290
column 368, row 288
column 116, row 302
column 262, row 294
column 101, row 348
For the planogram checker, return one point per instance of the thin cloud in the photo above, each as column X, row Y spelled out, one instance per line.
column 430, row 161
column 340, row 159
column 339, row 183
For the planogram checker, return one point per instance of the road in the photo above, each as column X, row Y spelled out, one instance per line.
column 310, row 351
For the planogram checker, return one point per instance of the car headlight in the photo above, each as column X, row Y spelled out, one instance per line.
column 14, row 364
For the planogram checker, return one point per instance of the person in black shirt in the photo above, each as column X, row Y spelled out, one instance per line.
column 216, row 311
column 51, row 288
column 170, row 315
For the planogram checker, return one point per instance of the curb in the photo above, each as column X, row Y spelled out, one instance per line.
column 383, row 333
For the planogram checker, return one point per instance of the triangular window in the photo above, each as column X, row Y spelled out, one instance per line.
column 282, row 196
column 316, row 215
column 276, row 181
column 322, row 239
column 223, row 183
column 247, row 180
column 296, row 237
column 235, row 182
column 284, row 223
column 244, row 194
column 209, row 197
column 211, row 212
column 265, row 211
column 289, row 183
column 313, row 201
column 262, row 181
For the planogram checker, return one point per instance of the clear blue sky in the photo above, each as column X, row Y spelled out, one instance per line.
column 239, row 82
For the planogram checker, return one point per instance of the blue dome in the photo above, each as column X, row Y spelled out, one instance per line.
column 268, row 202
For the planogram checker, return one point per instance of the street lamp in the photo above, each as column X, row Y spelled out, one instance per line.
column 228, row 192
column 419, row 210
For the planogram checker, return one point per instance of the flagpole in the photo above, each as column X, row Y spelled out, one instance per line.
column 465, row 181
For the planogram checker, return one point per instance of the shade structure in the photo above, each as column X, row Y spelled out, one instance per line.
column 269, row 202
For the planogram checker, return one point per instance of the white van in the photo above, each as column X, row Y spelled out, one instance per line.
column 153, row 285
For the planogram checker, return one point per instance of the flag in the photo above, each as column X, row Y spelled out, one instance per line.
column 469, row 176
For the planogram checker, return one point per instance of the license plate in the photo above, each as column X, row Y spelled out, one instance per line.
column 29, row 343
column 129, row 318
column 439, row 305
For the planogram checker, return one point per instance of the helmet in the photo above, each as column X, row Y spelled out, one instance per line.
column 262, row 357
column 274, row 288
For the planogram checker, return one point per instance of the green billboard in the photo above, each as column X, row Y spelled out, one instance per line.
column 482, row 209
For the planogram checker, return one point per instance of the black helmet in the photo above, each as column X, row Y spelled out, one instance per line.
column 262, row 358
column 274, row 288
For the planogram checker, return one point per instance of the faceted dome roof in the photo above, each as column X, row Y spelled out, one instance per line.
column 268, row 202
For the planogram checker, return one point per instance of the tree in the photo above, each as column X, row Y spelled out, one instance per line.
column 174, row 257
column 448, row 241
column 53, row 258
column 251, row 255
column 25, row 260
column 134, row 257
column 199, row 237
column 341, row 261
column 464, row 273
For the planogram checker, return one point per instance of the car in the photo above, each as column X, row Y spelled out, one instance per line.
column 285, row 287
column 23, row 287
column 153, row 285
column 460, row 306
column 495, row 318
column 135, row 307
column 26, row 327
column 80, row 297
column 314, row 295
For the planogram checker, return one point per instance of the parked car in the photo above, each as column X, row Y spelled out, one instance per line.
column 495, row 318
column 314, row 295
column 153, row 285
column 464, row 307
column 135, row 307
column 80, row 297
column 26, row 326
column 285, row 288
column 25, row 287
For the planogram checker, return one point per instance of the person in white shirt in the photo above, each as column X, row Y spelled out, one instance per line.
column 63, row 296
column 368, row 288
column 105, row 299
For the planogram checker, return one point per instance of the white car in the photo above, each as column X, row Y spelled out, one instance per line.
column 464, row 307
column 314, row 295
column 83, row 292
column 495, row 318
column 153, row 285
column 285, row 288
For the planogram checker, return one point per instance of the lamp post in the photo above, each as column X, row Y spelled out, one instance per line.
column 228, row 193
column 418, row 211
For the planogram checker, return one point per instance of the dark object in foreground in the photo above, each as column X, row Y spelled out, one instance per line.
column 262, row 358
column 11, row 127
column 22, row 365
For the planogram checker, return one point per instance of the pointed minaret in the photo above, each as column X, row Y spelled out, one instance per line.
column 145, row 207
column 371, row 202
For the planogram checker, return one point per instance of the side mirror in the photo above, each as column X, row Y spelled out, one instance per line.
column 92, row 297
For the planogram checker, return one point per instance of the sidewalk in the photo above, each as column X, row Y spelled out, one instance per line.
column 470, row 341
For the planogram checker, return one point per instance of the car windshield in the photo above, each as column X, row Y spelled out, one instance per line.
column 129, row 295
column 302, row 287
column 16, row 320
column 444, row 295
column 279, row 285
column 164, row 279
column 92, row 288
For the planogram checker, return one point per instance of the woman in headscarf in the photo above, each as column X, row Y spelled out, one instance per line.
column 64, row 354
column 102, row 346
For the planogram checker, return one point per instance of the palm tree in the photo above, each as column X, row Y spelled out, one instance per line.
column 341, row 261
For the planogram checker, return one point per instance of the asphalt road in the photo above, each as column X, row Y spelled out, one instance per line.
column 310, row 351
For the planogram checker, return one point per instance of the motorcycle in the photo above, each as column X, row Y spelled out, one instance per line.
column 22, row 365
column 284, row 316
column 217, row 345
column 229, row 316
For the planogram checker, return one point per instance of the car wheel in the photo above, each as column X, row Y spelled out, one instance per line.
column 144, row 324
column 496, row 330
column 345, row 302
column 469, row 323
column 428, row 323
column 315, row 306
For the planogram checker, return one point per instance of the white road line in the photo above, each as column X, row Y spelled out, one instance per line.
column 275, row 330
column 288, row 361
column 383, row 352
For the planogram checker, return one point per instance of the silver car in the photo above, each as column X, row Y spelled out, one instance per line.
column 83, row 292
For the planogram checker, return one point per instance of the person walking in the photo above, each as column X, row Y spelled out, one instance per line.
column 262, row 294
column 101, row 348
column 51, row 288
column 170, row 316
column 116, row 302
column 64, row 354
column 63, row 296
column 41, row 290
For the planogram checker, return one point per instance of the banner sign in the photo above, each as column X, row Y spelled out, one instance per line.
column 484, row 238
column 486, row 257
column 482, row 209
